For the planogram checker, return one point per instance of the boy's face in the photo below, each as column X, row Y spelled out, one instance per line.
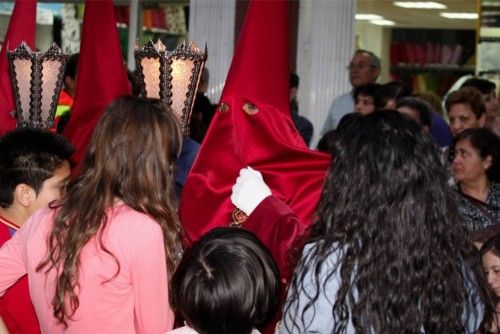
column 364, row 104
column 52, row 188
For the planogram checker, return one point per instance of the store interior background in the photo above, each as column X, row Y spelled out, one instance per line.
column 418, row 46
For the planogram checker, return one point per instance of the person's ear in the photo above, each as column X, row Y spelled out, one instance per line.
column 487, row 162
column 24, row 194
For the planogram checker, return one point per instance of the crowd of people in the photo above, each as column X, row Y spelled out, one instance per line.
column 406, row 237
column 469, row 144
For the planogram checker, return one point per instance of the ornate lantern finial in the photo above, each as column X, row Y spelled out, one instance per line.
column 171, row 76
column 36, row 81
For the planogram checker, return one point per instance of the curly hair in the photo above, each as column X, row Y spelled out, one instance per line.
column 403, row 262
column 370, row 89
column 130, row 157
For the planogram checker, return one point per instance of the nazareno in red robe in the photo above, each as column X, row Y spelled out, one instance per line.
column 253, row 127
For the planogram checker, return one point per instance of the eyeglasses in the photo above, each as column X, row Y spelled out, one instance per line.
column 351, row 67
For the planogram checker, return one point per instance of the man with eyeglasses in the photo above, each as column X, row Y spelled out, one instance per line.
column 364, row 68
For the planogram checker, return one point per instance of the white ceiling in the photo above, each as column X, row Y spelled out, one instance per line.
column 421, row 18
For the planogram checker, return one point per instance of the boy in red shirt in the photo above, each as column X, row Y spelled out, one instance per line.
column 34, row 168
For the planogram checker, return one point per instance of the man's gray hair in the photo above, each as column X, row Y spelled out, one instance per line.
column 373, row 57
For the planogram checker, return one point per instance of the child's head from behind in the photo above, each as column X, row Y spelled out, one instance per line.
column 34, row 165
column 226, row 283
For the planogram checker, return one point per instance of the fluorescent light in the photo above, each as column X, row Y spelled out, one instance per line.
column 383, row 22
column 420, row 4
column 368, row 17
column 462, row 16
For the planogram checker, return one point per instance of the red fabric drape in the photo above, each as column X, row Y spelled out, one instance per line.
column 102, row 76
column 22, row 27
column 267, row 140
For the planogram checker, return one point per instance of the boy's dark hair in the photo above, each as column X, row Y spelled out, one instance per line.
column 392, row 90
column 423, row 109
column 226, row 283
column 470, row 96
column 29, row 156
column 482, row 85
column 371, row 89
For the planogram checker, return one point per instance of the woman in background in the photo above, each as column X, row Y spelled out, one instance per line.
column 99, row 261
column 476, row 169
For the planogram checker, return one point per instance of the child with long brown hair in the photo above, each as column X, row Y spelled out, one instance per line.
column 99, row 260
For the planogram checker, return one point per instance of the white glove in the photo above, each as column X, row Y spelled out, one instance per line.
column 249, row 190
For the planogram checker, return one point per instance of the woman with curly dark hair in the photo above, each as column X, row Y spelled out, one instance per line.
column 99, row 261
column 387, row 253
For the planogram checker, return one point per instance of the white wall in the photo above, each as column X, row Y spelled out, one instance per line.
column 325, row 46
column 211, row 22
column 376, row 39
column 43, row 33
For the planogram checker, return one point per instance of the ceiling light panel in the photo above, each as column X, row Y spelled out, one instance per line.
column 460, row 16
column 420, row 4
column 383, row 22
column 368, row 17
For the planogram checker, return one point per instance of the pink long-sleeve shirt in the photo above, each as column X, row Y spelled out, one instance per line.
column 135, row 301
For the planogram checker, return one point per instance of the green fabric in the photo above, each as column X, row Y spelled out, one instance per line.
column 62, row 110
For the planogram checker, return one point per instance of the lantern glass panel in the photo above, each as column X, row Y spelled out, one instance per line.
column 151, row 70
column 23, row 69
column 182, row 71
column 50, row 71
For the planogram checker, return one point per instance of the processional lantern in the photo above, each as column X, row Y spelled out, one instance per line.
column 37, row 79
column 171, row 76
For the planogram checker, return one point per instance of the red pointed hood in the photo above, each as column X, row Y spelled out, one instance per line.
column 22, row 27
column 102, row 76
column 266, row 140
column 260, row 68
